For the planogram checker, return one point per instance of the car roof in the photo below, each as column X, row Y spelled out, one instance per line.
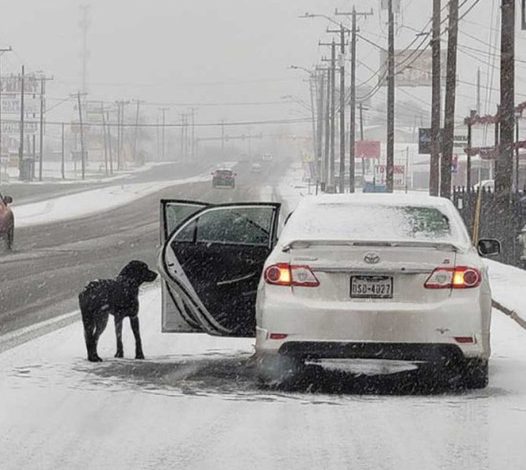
column 382, row 199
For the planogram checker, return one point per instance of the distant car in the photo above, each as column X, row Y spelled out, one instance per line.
column 488, row 185
column 267, row 157
column 255, row 168
column 373, row 277
column 223, row 178
column 7, row 222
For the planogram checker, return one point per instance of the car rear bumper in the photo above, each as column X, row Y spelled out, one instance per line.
column 438, row 353
column 456, row 324
column 223, row 182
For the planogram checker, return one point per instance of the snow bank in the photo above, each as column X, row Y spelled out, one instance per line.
column 90, row 202
column 507, row 284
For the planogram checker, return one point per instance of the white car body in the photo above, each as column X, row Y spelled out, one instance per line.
column 418, row 324
column 366, row 277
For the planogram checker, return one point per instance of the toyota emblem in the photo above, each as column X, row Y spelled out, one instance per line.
column 372, row 258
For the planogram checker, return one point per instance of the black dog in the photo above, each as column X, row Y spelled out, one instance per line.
column 118, row 297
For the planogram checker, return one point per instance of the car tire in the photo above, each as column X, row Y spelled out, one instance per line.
column 476, row 373
column 276, row 370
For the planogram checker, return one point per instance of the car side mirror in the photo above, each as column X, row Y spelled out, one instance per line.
column 8, row 199
column 489, row 247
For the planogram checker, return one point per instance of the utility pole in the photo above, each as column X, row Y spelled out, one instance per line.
column 470, row 145
column 312, row 89
column 110, row 145
column 320, row 108
column 193, row 147
column 434, row 170
column 389, row 168
column 182, row 146
column 352, row 117
column 517, row 136
column 105, row 136
column 84, row 24
column 449, row 117
column 43, row 80
column 326, row 156
column 163, row 128
column 478, row 91
column 21, row 146
column 63, row 155
column 361, row 119
column 333, row 114
column 138, row 104
column 506, row 118
column 82, row 152
column 120, row 132
column 222, row 138
column 2, row 51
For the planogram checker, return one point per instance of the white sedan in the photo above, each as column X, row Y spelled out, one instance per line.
column 351, row 277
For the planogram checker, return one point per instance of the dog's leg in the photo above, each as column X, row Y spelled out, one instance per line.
column 118, row 334
column 101, row 321
column 89, row 330
column 134, row 322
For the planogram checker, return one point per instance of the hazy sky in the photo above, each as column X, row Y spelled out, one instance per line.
column 215, row 51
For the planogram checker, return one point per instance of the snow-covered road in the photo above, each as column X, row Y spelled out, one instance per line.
column 194, row 404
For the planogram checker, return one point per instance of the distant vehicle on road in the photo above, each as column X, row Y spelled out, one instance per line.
column 7, row 222
column 255, row 168
column 224, row 178
column 267, row 157
column 488, row 185
column 377, row 277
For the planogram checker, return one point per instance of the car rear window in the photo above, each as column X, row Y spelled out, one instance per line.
column 223, row 173
column 371, row 222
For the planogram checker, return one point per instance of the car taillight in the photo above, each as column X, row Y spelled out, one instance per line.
column 284, row 274
column 460, row 277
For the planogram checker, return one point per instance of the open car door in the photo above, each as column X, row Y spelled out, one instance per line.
column 211, row 265
column 176, row 315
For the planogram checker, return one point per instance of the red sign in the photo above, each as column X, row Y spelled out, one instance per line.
column 367, row 149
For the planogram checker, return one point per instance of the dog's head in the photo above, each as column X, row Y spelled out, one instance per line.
column 138, row 271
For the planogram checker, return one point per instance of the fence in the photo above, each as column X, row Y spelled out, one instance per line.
column 491, row 225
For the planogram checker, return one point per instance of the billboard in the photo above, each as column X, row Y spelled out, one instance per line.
column 398, row 174
column 413, row 67
column 424, row 140
column 367, row 149
column 12, row 128
column 13, row 84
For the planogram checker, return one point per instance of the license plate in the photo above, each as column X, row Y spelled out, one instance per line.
column 371, row 287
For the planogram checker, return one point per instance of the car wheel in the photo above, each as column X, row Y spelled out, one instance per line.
column 276, row 370
column 476, row 373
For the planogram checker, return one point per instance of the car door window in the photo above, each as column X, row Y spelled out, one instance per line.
column 247, row 226
column 174, row 212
